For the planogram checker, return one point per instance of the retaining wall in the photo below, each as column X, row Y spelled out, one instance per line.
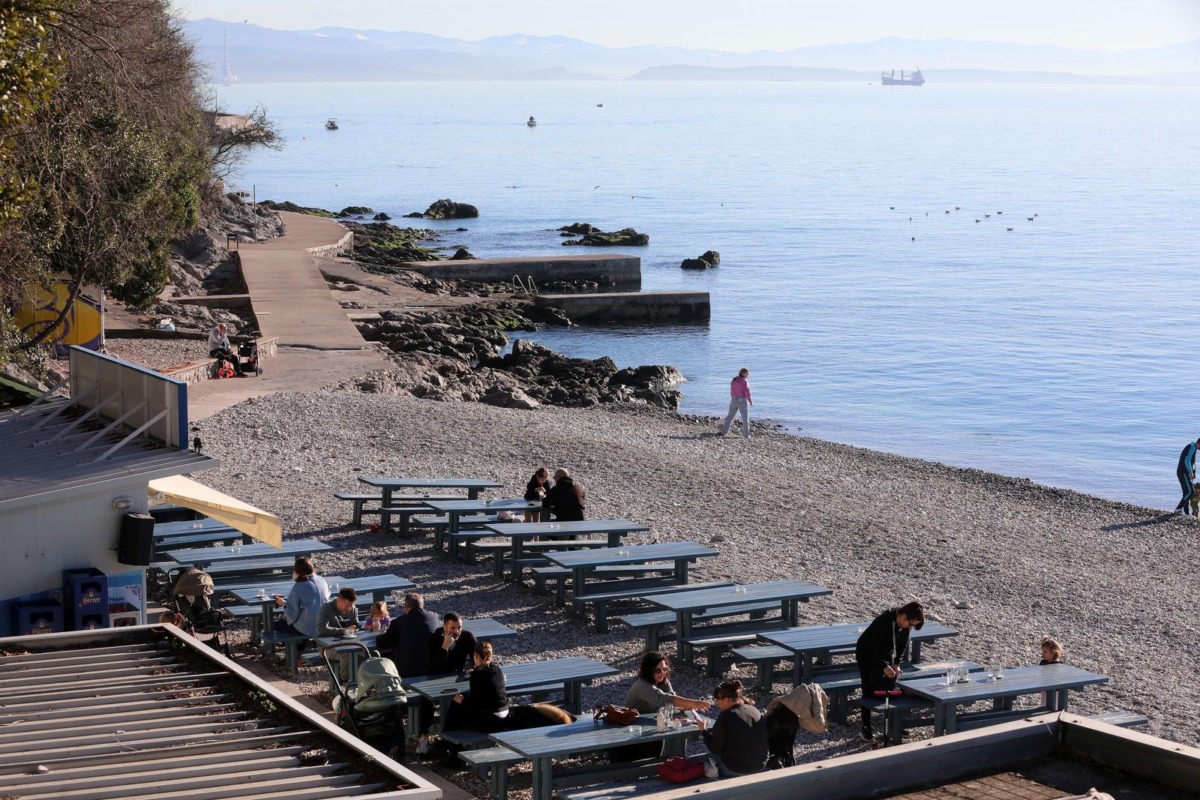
column 625, row 271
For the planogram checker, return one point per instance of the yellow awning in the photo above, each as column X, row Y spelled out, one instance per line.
column 218, row 505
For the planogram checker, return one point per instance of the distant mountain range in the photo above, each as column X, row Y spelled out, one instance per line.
column 257, row 54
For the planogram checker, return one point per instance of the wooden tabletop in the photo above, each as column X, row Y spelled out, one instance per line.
column 208, row 555
column 579, row 528
column 730, row 596
column 429, row 483
column 164, row 530
column 634, row 554
column 586, row 735
column 473, row 506
column 822, row 638
column 516, row 676
column 1016, row 681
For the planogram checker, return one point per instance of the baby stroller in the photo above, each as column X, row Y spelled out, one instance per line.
column 247, row 355
column 191, row 597
column 373, row 707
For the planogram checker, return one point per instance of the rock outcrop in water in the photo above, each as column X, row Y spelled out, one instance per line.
column 446, row 209
column 711, row 258
column 594, row 237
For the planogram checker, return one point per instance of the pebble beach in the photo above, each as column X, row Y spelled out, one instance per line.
column 1002, row 560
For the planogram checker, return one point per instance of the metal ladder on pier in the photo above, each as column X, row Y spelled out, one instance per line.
column 526, row 286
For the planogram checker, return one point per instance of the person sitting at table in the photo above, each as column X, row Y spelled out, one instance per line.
column 378, row 618
column 737, row 741
column 486, row 707
column 537, row 488
column 338, row 617
column 648, row 694
column 565, row 498
column 878, row 652
column 450, row 648
column 406, row 641
column 1052, row 652
column 304, row 601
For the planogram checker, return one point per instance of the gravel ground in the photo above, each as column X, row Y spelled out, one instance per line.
column 156, row 354
column 1004, row 561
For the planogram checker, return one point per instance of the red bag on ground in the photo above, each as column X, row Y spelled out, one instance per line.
column 680, row 770
column 225, row 370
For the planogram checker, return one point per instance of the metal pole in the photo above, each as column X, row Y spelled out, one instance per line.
column 254, row 207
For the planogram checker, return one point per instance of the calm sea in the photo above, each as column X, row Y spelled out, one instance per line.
column 1058, row 348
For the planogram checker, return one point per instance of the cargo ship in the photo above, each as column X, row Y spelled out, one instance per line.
column 914, row 78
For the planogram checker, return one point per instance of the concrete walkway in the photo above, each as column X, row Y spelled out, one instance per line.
column 318, row 344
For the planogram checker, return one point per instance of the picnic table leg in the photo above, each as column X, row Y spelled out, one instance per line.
column 472, row 494
column 518, row 549
column 414, row 716
column 683, row 629
column 681, row 571
column 542, row 784
column 614, row 539
column 356, row 519
column 916, row 652
column 950, row 718
column 385, row 517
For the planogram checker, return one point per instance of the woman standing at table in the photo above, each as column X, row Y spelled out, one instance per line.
column 537, row 489
column 738, row 739
column 878, row 652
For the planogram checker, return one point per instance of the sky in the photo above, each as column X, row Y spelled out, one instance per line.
column 740, row 25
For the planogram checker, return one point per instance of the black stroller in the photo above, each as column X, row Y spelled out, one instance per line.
column 192, row 596
column 247, row 355
column 374, row 705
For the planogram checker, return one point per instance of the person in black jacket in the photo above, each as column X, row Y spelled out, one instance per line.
column 537, row 489
column 565, row 498
column 450, row 647
column 406, row 642
column 486, row 707
column 879, row 650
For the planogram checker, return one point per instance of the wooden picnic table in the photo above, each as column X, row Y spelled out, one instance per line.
column 387, row 486
column 542, row 746
column 815, row 644
column 203, row 539
column 378, row 586
column 571, row 673
column 201, row 557
column 520, row 532
column 483, row 628
column 167, row 530
column 455, row 509
column 1056, row 680
column 789, row 593
column 583, row 563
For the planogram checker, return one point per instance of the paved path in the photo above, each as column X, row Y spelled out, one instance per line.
column 318, row 344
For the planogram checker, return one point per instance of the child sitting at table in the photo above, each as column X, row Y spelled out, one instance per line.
column 377, row 618
column 1052, row 652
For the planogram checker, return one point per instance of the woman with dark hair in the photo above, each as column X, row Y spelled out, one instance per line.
column 738, row 739
column 304, row 601
column 878, row 652
column 652, row 690
column 486, row 707
column 537, row 489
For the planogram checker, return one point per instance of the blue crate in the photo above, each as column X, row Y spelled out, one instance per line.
column 85, row 598
column 36, row 617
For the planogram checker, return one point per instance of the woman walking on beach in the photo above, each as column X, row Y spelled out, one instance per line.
column 739, row 403
column 1186, row 472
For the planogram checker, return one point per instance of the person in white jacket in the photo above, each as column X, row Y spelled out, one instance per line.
column 220, row 349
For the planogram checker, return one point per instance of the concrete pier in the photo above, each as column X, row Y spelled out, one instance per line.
column 624, row 271
column 631, row 306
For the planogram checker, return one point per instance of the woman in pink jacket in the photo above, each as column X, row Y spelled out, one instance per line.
column 739, row 403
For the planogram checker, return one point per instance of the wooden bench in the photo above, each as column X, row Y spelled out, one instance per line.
column 715, row 639
column 600, row 600
column 653, row 620
column 491, row 764
column 765, row 657
column 501, row 552
column 360, row 499
column 1122, row 719
column 624, row 790
column 561, row 576
column 291, row 643
column 841, row 681
column 894, row 710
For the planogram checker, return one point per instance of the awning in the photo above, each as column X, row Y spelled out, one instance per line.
column 218, row 505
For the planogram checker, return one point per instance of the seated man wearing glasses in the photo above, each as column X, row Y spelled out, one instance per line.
column 879, row 650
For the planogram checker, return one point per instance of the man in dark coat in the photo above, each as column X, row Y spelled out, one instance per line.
column 565, row 498
column 450, row 647
column 879, row 650
column 406, row 641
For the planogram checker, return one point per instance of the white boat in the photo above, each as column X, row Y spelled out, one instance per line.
column 331, row 124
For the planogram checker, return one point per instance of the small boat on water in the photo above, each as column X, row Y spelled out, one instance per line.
column 914, row 78
column 331, row 124
column 532, row 122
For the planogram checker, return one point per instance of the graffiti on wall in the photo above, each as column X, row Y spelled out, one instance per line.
column 83, row 324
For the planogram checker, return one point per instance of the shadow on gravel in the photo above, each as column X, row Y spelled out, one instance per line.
column 1159, row 520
